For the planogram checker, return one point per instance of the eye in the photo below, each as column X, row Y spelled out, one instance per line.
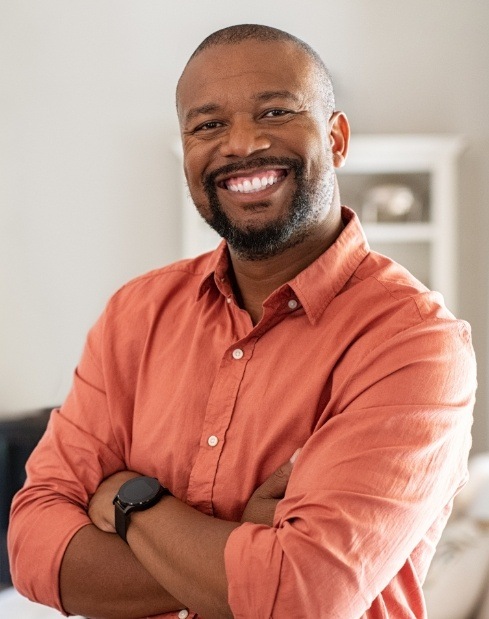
column 208, row 126
column 276, row 113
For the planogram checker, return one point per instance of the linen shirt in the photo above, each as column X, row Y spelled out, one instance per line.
column 353, row 360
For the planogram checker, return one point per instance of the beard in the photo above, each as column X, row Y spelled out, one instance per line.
column 308, row 203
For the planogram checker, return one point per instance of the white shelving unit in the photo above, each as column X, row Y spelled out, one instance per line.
column 427, row 164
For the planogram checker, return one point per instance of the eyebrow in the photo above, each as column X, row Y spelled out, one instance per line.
column 276, row 94
column 208, row 108
column 268, row 95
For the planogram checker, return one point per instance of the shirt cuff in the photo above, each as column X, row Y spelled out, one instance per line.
column 253, row 558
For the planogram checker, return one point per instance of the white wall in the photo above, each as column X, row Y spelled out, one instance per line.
column 88, row 196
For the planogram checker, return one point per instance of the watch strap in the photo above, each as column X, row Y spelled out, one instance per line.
column 121, row 520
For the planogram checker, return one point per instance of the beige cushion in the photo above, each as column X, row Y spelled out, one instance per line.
column 458, row 574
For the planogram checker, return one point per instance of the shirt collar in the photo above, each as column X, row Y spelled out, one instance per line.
column 216, row 270
column 318, row 284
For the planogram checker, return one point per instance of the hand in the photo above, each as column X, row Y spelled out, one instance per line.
column 101, row 507
column 260, row 509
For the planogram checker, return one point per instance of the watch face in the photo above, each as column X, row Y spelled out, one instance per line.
column 139, row 490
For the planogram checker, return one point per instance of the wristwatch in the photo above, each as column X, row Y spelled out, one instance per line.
column 135, row 495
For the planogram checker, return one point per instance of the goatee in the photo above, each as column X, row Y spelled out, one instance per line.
column 258, row 243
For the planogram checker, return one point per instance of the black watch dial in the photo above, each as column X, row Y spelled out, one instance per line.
column 139, row 490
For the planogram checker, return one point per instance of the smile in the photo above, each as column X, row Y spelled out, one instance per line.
column 254, row 182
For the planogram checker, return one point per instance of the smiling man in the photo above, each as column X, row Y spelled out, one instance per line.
column 274, row 429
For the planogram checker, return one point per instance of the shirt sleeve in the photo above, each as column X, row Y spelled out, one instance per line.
column 368, row 486
column 63, row 473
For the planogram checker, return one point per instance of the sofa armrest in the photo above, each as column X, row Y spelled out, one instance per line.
column 18, row 437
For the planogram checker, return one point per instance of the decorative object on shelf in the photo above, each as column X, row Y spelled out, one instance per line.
column 390, row 203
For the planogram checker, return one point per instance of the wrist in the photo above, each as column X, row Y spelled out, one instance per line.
column 136, row 494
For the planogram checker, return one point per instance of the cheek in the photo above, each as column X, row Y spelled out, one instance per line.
column 195, row 163
column 320, row 161
column 193, row 175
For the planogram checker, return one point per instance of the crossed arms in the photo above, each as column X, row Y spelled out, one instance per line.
column 172, row 547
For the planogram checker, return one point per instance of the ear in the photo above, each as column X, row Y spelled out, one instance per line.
column 339, row 136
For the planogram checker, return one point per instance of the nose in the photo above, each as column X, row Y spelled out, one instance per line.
column 243, row 138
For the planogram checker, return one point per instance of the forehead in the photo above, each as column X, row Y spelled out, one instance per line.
column 242, row 70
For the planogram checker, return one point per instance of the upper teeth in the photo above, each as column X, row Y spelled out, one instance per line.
column 253, row 184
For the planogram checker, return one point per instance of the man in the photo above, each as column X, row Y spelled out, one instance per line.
column 211, row 374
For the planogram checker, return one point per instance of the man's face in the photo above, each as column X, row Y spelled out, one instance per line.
column 257, row 154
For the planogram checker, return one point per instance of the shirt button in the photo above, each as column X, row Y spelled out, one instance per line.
column 292, row 304
column 212, row 442
column 183, row 614
column 238, row 353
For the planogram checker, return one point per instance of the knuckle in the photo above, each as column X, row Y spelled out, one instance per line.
column 282, row 472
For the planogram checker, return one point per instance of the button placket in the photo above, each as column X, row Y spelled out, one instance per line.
column 218, row 416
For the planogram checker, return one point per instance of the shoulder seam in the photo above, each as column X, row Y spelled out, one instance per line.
column 411, row 297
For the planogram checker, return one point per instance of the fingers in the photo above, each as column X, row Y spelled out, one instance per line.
column 274, row 486
column 293, row 457
column 261, row 507
column 98, row 519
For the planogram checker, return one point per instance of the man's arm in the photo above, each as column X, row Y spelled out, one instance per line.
column 117, row 586
column 101, row 577
column 50, row 526
column 187, row 554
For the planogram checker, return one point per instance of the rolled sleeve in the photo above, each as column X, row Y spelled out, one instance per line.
column 63, row 472
column 374, row 481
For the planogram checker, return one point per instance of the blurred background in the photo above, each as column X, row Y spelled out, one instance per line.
column 90, row 178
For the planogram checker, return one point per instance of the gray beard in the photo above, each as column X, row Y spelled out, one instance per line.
column 252, row 243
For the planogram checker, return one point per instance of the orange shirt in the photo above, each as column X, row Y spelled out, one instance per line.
column 354, row 361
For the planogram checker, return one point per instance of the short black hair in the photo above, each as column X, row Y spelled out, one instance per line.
column 232, row 35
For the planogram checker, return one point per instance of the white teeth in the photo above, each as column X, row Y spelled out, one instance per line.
column 252, row 185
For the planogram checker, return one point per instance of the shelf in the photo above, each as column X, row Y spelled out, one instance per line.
column 400, row 232
column 401, row 153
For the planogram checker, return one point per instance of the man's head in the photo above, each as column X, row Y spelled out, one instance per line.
column 261, row 139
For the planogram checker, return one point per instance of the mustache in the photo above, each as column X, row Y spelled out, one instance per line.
column 258, row 162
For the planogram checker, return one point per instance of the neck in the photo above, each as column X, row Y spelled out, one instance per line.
column 256, row 280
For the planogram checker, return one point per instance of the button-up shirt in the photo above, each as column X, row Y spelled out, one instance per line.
column 353, row 360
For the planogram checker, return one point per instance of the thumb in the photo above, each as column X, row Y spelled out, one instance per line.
column 274, row 486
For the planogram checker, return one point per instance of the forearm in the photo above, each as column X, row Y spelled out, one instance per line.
column 184, row 550
column 101, row 577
